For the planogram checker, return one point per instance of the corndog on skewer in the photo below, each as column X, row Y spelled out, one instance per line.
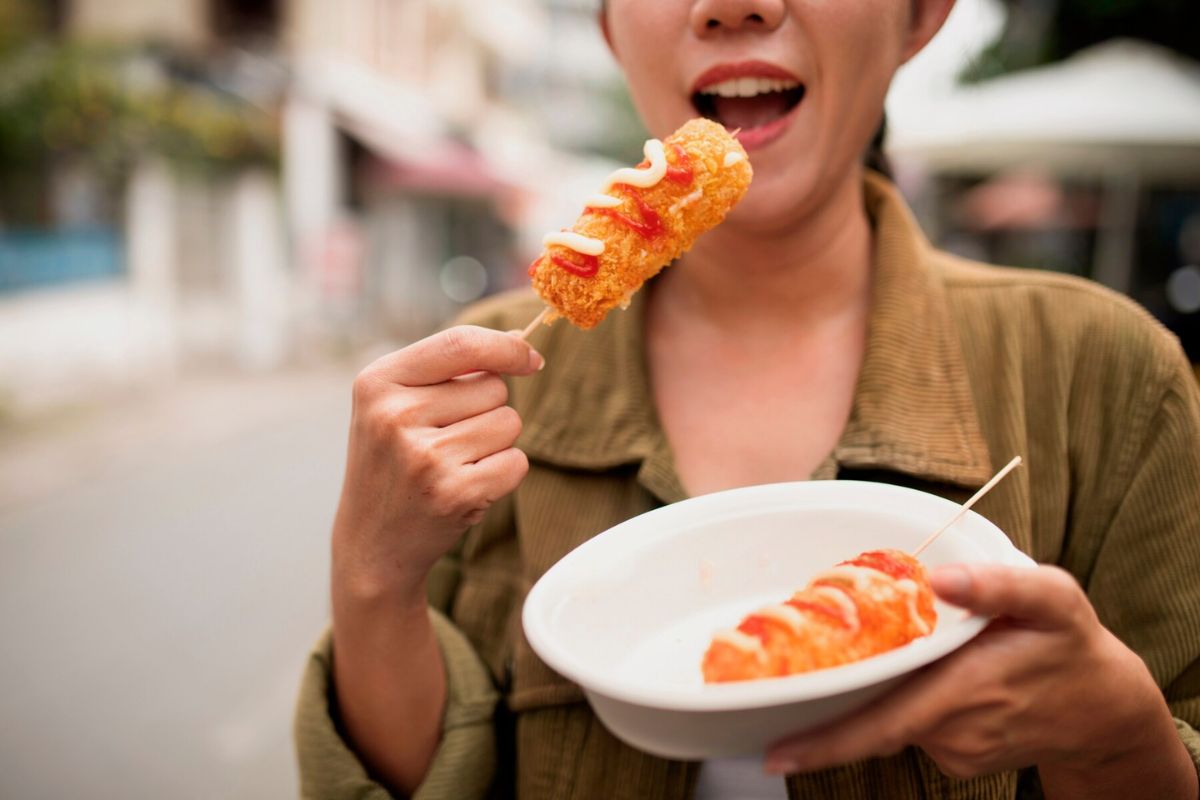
column 871, row 604
column 862, row 607
column 644, row 218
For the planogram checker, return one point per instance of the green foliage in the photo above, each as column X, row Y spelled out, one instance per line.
column 19, row 20
column 110, row 106
column 1045, row 31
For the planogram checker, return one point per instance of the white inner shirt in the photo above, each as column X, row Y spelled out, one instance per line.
column 738, row 779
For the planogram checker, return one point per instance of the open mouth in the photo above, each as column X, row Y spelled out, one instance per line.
column 748, row 103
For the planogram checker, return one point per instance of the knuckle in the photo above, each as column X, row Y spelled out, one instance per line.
column 419, row 453
column 477, row 496
column 441, row 506
column 365, row 387
column 956, row 767
column 494, row 390
column 1062, row 581
column 1070, row 596
column 385, row 420
column 444, row 499
column 520, row 464
column 462, row 342
column 516, row 468
column 512, row 465
column 509, row 421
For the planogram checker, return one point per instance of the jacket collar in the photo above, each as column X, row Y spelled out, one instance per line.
column 913, row 411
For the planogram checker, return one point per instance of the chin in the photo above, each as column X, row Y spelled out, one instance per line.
column 783, row 196
column 778, row 200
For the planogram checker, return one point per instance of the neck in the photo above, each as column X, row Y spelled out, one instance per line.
column 742, row 278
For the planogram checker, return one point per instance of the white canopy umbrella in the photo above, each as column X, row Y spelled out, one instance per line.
column 1124, row 112
column 1123, row 106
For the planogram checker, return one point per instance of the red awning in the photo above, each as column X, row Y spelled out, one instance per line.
column 450, row 168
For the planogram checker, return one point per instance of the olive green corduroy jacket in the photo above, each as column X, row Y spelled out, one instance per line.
column 966, row 365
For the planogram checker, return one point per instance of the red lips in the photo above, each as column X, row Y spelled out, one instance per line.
column 742, row 69
column 760, row 119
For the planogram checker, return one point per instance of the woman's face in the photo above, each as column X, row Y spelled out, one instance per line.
column 805, row 81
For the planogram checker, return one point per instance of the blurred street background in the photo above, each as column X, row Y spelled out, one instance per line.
column 214, row 212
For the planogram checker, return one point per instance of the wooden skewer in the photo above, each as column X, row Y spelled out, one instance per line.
column 531, row 327
column 987, row 487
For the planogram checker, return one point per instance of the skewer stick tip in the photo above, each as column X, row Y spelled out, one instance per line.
column 987, row 487
column 532, row 326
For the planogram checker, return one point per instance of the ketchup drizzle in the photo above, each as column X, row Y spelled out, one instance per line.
column 883, row 562
column 754, row 626
column 586, row 267
column 649, row 226
column 681, row 172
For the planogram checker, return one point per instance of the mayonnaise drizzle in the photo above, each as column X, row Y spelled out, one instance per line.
column 645, row 177
column 602, row 201
column 838, row 596
column 686, row 201
column 642, row 178
column 908, row 588
column 861, row 577
column 731, row 158
column 785, row 614
column 741, row 641
column 575, row 241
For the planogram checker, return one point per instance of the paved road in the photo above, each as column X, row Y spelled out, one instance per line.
column 162, row 572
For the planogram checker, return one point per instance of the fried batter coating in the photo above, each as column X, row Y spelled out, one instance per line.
column 814, row 629
column 630, row 257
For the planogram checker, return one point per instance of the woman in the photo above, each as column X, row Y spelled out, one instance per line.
column 813, row 334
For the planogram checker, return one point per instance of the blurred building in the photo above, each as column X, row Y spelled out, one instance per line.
column 428, row 143
column 138, row 234
column 395, row 214
column 416, row 172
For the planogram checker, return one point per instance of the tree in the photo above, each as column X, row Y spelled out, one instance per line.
column 1044, row 31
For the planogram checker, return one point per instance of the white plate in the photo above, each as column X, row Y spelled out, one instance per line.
column 628, row 614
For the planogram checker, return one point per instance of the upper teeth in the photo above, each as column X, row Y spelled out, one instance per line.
column 748, row 87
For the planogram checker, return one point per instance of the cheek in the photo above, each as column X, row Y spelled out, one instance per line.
column 857, row 55
column 645, row 36
column 855, row 48
column 858, row 52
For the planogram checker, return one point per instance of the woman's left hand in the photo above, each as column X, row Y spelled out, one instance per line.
column 1044, row 684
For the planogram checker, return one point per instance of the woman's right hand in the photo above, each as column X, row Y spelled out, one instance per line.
column 431, row 447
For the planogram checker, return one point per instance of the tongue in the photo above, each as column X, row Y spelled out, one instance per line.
column 750, row 112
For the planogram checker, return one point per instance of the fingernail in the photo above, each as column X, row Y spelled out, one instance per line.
column 536, row 362
column 951, row 582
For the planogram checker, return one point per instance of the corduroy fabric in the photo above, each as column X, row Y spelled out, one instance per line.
column 966, row 365
column 329, row 769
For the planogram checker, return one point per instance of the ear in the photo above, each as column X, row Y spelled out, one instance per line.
column 925, row 20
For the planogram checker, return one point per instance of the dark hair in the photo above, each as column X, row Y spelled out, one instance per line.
column 876, row 158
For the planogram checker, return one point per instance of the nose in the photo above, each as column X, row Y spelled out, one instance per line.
column 713, row 16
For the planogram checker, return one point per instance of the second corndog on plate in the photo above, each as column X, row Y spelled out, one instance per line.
column 862, row 607
column 643, row 219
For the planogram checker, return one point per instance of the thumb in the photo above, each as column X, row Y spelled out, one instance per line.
column 1040, row 597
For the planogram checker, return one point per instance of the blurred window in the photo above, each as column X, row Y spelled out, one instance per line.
column 59, row 223
column 31, row 259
